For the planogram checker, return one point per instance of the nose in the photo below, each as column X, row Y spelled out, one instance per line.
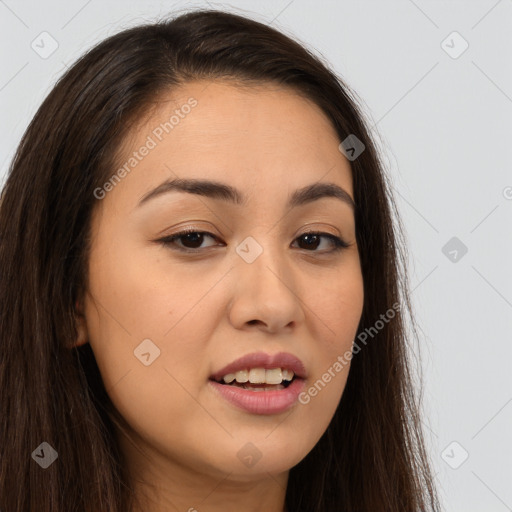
column 265, row 295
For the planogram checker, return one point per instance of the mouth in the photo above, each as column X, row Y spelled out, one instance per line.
column 261, row 371
column 261, row 383
column 259, row 379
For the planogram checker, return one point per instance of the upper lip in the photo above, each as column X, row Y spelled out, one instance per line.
column 263, row 360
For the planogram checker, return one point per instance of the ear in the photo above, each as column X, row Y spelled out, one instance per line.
column 81, row 326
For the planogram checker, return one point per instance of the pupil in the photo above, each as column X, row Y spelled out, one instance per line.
column 308, row 240
column 194, row 238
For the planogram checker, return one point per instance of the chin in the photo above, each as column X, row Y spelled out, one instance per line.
column 275, row 455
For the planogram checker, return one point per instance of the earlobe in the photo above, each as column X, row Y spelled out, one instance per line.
column 81, row 326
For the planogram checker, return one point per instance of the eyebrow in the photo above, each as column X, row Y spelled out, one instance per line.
column 222, row 191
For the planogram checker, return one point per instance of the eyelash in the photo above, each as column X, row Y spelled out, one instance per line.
column 169, row 241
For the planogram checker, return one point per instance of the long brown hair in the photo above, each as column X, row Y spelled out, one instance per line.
column 371, row 458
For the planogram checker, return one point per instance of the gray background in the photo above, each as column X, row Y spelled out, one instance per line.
column 444, row 125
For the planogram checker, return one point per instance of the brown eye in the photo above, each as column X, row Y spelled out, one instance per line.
column 192, row 241
column 311, row 241
column 189, row 240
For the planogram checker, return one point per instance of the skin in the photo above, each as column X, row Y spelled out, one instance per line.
column 206, row 309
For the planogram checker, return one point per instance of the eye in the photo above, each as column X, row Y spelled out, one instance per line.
column 313, row 239
column 191, row 241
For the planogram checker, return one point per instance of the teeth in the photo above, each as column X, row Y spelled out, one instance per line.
column 260, row 376
column 257, row 376
column 274, row 376
column 288, row 375
column 242, row 376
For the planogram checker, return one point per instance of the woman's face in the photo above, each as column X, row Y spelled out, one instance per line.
column 166, row 316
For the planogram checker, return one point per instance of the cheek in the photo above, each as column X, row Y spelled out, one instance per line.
column 135, row 309
column 336, row 314
column 134, row 294
column 335, row 309
column 133, row 306
column 128, row 318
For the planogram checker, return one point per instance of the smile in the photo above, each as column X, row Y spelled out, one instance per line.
column 261, row 383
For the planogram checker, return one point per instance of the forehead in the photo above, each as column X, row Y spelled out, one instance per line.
column 246, row 135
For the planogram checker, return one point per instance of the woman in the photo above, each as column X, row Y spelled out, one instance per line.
column 204, row 299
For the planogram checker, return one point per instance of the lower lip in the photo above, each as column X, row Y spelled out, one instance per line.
column 261, row 402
